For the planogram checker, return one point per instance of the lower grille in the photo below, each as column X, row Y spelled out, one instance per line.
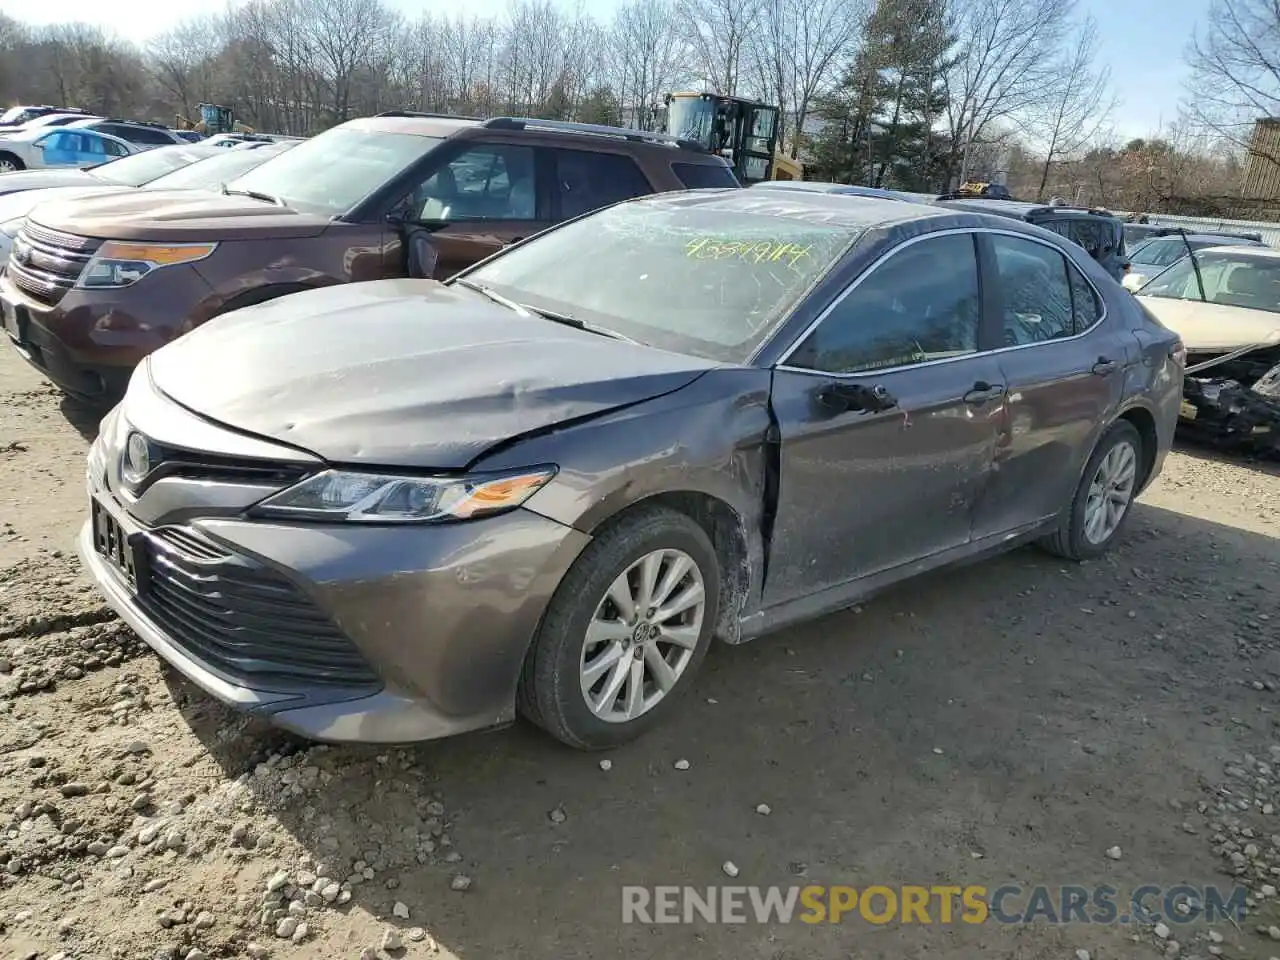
column 243, row 619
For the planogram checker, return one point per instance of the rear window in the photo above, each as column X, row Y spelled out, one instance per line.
column 700, row 176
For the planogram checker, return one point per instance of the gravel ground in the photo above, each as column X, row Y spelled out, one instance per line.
column 1011, row 722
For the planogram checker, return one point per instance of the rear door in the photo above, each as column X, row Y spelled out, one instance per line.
column 888, row 416
column 1064, row 366
column 586, row 181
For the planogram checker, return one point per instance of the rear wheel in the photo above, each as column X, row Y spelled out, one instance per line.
column 625, row 632
column 9, row 163
column 1104, row 498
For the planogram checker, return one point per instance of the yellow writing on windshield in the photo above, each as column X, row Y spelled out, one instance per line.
column 749, row 251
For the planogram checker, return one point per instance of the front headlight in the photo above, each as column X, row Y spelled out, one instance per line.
column 380, row 498
column 10, row 228
column 119, row 264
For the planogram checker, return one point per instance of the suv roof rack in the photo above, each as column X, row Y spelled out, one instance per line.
column 1073, row 208
column 592, row 129
column 424, row 115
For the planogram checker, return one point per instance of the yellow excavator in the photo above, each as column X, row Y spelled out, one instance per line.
column 214, row 119
column 744, row 132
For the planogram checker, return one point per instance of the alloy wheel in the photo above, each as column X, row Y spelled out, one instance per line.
column 642, row 635
column 1110, row 493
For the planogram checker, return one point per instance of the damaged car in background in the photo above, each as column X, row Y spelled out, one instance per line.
column 402, row 509
column 1225, row 304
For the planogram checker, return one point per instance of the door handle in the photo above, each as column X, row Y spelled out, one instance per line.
column 983, row 392
column 1104, row 366
column 856, row 396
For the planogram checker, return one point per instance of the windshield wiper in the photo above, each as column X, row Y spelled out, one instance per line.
column 577, row 324
column 253, row 194
column 495, row 297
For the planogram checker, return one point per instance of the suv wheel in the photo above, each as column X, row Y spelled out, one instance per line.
column 1104, row 498
column 9, row 163
column 625, row 632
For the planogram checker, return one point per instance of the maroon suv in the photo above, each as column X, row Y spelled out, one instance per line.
column 94, row 285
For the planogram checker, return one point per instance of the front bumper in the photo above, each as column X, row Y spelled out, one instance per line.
column 442, row 616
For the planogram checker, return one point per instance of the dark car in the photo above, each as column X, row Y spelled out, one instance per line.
column 1098, row 231
column 396, row 510
column 385, row 196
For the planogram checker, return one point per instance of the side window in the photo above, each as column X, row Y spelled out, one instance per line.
column 95, row 145
column 488, row 181
column 57, row 141
column 588, row 181
column 921, row 304
column 1085, row 308
column 700, row 176
column 1034, row 291
column 144, row 135
column 115, row 149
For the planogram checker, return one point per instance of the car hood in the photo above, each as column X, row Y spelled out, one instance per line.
column 179, row 215
column 17, row 205
column 404, row 373
column 1214, row 327
column 39, row 179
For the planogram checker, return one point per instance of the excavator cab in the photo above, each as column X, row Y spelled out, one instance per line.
column 744, row 132
column 216, row 118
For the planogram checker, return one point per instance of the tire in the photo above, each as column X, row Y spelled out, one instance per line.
column 1073, row 539
column 9, row 163
column 551, row 693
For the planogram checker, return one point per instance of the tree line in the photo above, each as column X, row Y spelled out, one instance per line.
column 913, row 94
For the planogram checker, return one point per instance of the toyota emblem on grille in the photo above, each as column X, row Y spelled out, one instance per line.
column 137, row 458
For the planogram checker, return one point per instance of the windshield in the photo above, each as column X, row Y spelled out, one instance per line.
column 334, row 171
column 211, row 172
column 1231, row 279
column 705, row 282
column 1164, row 250
column 140, row 168
column 691, row 118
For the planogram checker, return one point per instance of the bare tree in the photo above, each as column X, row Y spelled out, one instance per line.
column 1079, row 104
column 182, row 58
column 721, row 32
column 1003, row 68
column 800, row 47
column 651, row 52
column 1235, row 65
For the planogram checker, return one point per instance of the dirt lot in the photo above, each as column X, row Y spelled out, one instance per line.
column 1007, row 723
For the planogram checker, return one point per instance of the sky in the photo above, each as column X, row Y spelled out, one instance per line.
column 1142, row 40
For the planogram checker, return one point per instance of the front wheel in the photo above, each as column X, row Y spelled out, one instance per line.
column 1103, row 500
column 10, row 164
column 625, row 632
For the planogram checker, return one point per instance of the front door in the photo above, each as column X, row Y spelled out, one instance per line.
column 888, row 415
column 1064, row 367
column 485, row 197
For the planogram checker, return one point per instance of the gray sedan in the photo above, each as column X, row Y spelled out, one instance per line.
column 398, row 510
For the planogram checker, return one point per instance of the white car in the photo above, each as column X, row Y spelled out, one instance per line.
column 40, row 147
column 1224, row 302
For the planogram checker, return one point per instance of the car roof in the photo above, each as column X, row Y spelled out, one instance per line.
column 1254, row 251
column 819, row 207
column 434, row 125
column 814, row 186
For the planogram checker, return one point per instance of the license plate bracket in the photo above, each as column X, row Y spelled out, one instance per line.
column 125, row 551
